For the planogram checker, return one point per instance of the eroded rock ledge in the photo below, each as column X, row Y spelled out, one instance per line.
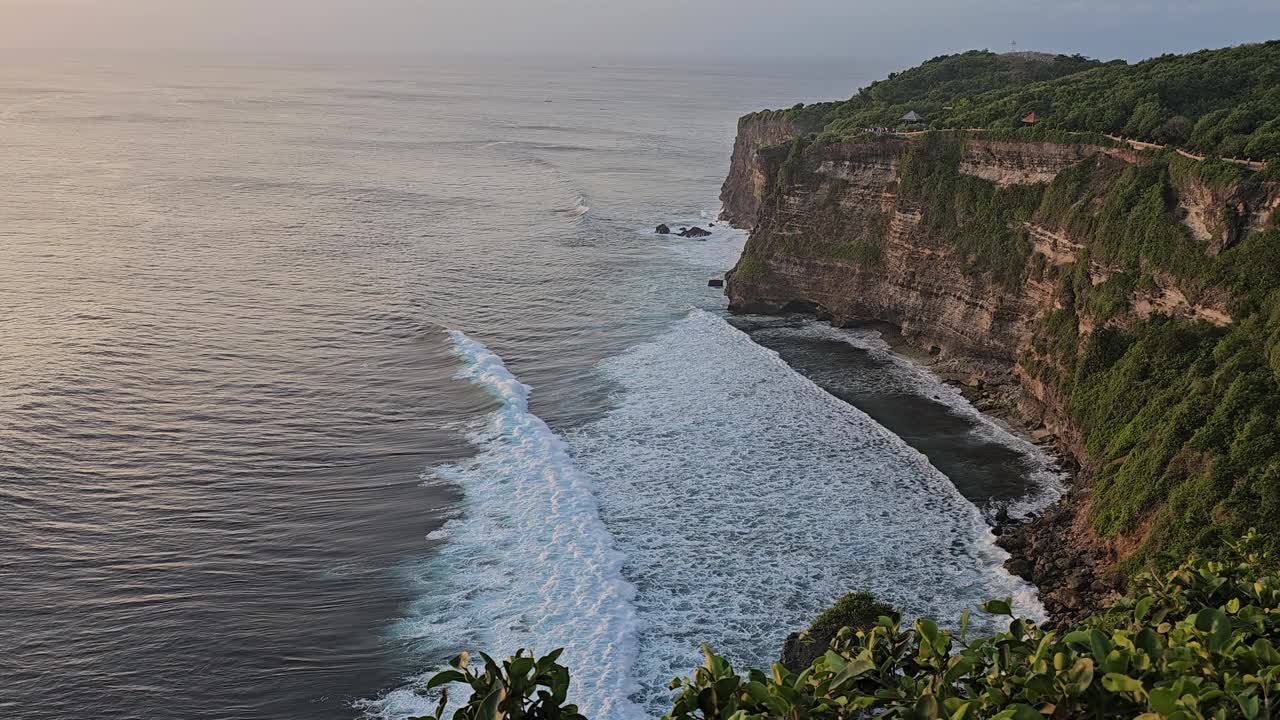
column 833, row 234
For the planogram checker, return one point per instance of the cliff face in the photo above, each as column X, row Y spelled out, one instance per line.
column 743, row 190
column 915, row 276
column 852, row 233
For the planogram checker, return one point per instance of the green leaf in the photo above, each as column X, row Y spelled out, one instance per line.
column 958, row 666
column 488, row 708
column 757, row 691
column 1163, row 700
column 1142, row 607
column 1099, row 645
column 1248, row 706
column 442, row 678
column 998, row 607
column 1081, row 675
column 1217, row 624
column 834, row 662
column 927, row 707
column 1019, row 712
column 856, row 668
column 1115, row 682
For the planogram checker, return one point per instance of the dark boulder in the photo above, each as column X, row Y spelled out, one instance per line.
column 715, row 282
column 695, row 232
column 1020, row 567
column 799, row 650
column 662, row 230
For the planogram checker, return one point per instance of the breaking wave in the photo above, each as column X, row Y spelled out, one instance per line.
column 527, row 564
column 724, row 498
column 745, row 499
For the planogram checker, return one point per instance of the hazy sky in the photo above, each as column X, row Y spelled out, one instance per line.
column 884, row 29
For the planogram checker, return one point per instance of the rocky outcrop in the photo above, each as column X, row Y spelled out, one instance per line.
column 1220, row 215
column 1018, row 163
column 919, row 283
column 744, row 188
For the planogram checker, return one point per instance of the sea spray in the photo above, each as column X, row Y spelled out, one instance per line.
column 746, row 499
column 528, row 564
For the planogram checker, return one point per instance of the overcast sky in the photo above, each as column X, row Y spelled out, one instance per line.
column 883, row 29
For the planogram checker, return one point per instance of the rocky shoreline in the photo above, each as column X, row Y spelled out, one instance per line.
column 1075, row 579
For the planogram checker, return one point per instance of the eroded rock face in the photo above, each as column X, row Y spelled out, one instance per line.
column 1220, row 216
column 847, row 196
column 744, row 187
column 1017, row 163
column 840, row 240
column 920, row 282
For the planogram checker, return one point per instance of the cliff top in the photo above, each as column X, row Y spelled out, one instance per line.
column 1223, row 102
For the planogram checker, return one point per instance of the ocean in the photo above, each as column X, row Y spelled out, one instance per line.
column 312, row 376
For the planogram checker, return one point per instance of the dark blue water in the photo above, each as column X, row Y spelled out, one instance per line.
column 238, row 474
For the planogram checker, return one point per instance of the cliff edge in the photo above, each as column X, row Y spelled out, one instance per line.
column 1126, row 296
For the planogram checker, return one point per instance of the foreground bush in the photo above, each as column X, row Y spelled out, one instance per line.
column 1199, row 642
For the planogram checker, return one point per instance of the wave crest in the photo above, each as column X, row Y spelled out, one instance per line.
column 529, row 564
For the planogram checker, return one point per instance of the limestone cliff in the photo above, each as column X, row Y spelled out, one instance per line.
column 745, row 187
column 863, row 232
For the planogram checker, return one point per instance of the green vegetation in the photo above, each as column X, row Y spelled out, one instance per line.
column 1181, row 418
column 1136, row 227
column 751, row 269
column 1199, row 642
column 1215, row 102
column 927, row 89
column 983, row 220
column 856, row 610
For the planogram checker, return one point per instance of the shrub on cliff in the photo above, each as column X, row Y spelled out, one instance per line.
column 857, row 610
column 1198, row 642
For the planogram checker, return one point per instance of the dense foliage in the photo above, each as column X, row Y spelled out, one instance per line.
column 929, row 89
column 984, row 221
column 1181, row 417
column 1199, row 642
column 1214, row 102
column 853, row 610
column 1217, row 102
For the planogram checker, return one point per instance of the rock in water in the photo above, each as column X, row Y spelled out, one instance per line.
column 715, row 282
column 695, row 232
column 662, row 229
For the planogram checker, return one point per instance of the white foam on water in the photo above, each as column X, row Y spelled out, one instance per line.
column 1048, row 481
column 529, row 563
column 718, row 253
column 745, row 499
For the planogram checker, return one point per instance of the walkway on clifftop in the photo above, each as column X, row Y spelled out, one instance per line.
column 1135, row 144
